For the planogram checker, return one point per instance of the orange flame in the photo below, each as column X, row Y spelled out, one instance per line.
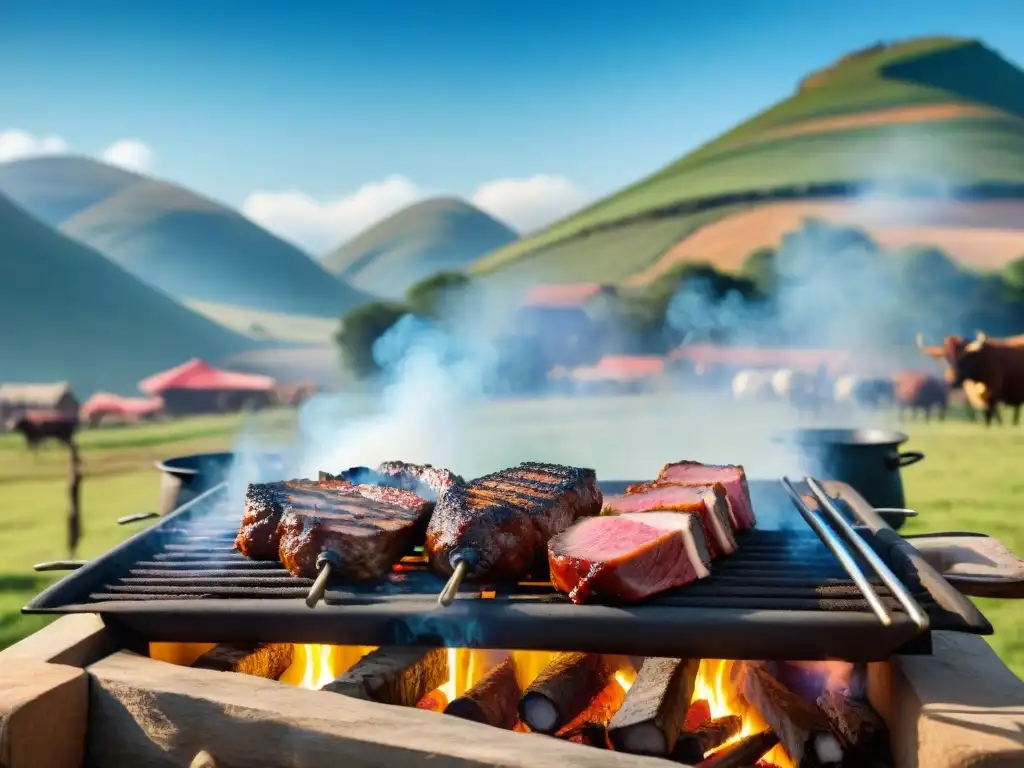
column 314, row 666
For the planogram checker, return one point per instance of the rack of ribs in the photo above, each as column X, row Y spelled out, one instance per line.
column 493, row 528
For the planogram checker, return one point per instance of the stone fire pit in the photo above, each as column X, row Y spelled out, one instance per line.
column 71, row 696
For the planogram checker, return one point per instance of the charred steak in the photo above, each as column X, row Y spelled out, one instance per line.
column 498, row 523
column 629, row 557
column 265, row 503
column 369, row 527
column 424, row 480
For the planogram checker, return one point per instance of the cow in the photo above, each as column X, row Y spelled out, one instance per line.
column 804, row 389
column 37, row 426
column 752, row 384
column 914, row 391
column 990, row 371
column 863, row 392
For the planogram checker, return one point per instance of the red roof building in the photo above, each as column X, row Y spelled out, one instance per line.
column 105, row 405
column 198, row 387
column 563, row 296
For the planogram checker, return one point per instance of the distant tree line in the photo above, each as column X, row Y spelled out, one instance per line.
column 825, row 285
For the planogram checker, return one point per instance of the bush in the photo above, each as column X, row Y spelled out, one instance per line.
column 360, row 328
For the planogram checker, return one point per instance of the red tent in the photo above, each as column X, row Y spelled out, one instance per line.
column 197, row 374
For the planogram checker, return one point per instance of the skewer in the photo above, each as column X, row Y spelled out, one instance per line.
column 461, row 562
column 447, row 595
column 59, row 565
column 137, row 517
column 326, row 562
column 835, row 546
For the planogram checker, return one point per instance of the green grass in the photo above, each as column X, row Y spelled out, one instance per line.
column 928, row 71
column 970, row 479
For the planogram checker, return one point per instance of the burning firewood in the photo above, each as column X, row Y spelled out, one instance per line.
column 802, row 729
column 655, row 708
column 691, row 746
column 563, row 688
column 743, row 753
column 698, row 714
column 862, row 732
column 435, row 701
column 268, row 660
column 394, row 675
column 494, row 700
column 590, row 727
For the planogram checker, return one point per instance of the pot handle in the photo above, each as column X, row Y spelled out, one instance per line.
column 904, row 459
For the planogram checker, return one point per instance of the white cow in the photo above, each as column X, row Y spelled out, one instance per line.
column 752, row 384
column 844, row 389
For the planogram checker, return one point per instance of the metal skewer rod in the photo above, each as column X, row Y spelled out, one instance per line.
column 835, row 546
column 137, row 517
column 59, row 565
column 447, row 595
column 326, row 562
column 910, row 605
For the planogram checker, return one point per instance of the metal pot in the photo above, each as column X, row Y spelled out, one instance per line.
column 185, row 477
column 867, row 459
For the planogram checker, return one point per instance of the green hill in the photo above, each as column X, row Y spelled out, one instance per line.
column 188, row 246
column 431, row 236
column 70, row 314
column 930, row 111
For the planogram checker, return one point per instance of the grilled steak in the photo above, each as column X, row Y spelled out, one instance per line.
column 628, row 557
column 499, row 523
column 693, row 473
column 369, row 527
column 709, row 503
column 258, row 536
column 424, row 480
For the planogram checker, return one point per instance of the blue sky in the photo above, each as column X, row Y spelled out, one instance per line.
column 325, row 97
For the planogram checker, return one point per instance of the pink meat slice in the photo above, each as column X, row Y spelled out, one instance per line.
column 710, row 503
column 629, row 557
column 732, row 476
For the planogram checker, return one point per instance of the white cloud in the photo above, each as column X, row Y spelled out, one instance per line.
column 319, row 225
column 15, row 144
column 130, row 154
column 530, row 203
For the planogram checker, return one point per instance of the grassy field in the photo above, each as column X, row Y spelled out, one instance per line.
column 757, row 155
column 967, row 482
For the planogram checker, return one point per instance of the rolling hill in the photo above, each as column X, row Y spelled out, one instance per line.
column 71, row 314
column 430, row 236
column 920, row 117
column 188, row 246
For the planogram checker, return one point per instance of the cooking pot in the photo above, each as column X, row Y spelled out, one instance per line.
column 185, row 477
column 869, row 460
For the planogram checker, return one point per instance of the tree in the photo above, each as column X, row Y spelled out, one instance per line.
column 1013, row 274
column 360, row 328
column 431, row 296
column 760, row 268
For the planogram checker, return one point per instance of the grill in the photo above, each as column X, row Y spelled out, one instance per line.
column 797, row 589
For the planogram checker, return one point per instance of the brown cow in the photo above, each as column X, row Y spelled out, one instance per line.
column 914, row 391
column 36, row 426
column 994, row 366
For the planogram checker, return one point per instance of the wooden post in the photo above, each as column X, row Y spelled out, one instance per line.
column 74, row 496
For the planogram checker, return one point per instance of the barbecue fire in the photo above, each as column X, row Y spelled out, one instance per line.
column 317, row 665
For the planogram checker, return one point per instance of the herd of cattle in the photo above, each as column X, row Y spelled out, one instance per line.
column 988, row 372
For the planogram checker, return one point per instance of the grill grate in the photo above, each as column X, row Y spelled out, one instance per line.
column 783, row 594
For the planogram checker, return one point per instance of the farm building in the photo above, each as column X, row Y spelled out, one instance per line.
column 198, row 387
column 104, row 406
column 55, row 397
column 621, row 373
column 568, row 322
